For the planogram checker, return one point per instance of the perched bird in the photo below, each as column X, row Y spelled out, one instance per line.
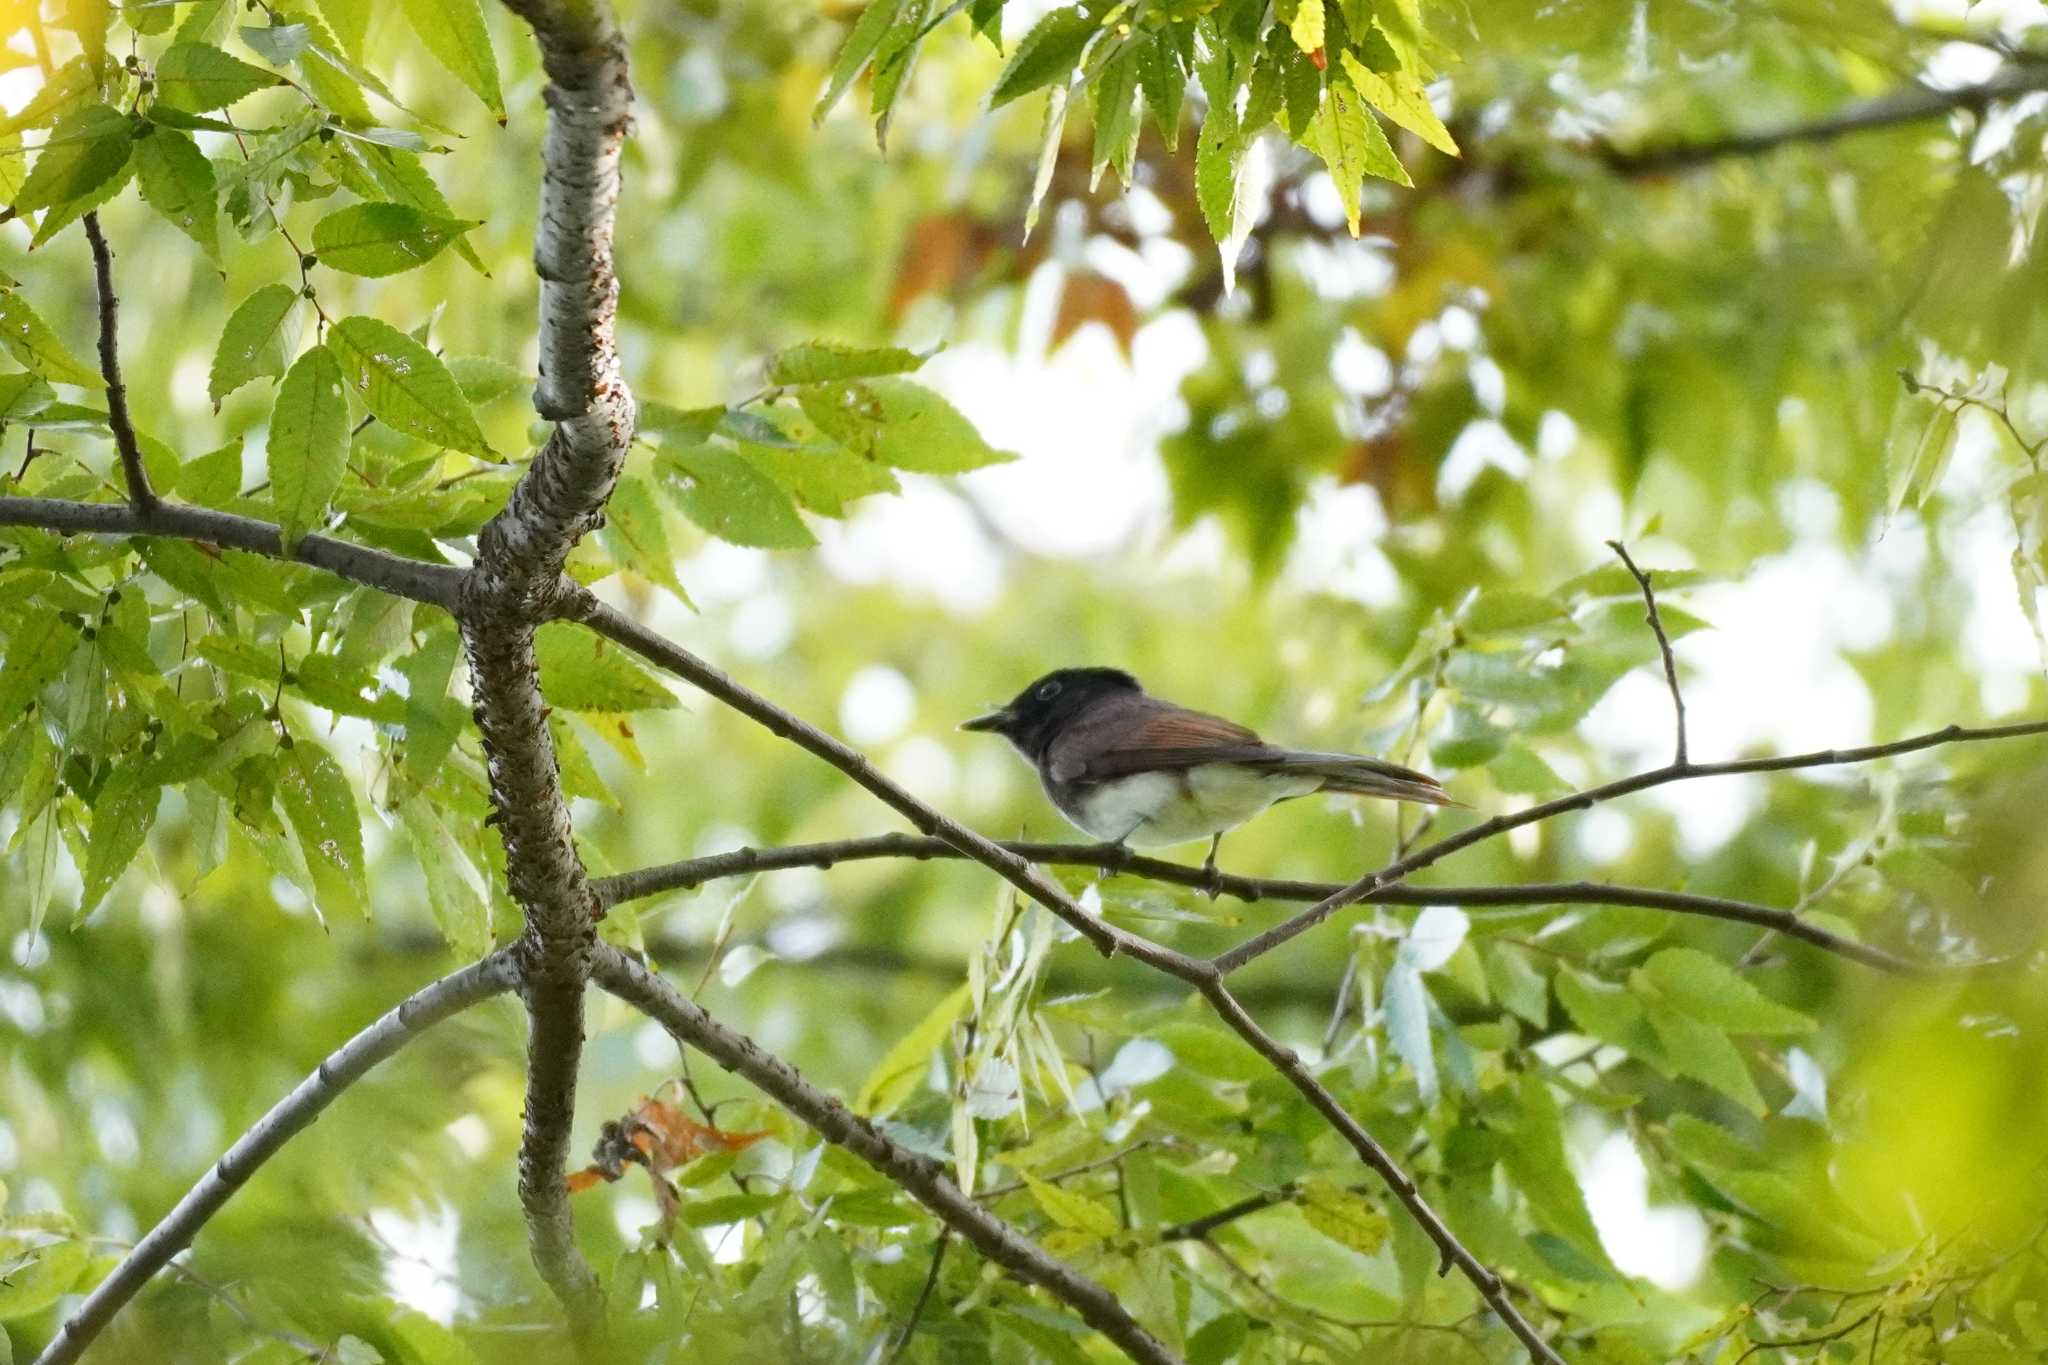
column 1129, row 768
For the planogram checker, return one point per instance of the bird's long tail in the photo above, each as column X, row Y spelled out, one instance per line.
column 1360, row 776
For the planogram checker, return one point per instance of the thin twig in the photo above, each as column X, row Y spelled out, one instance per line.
column 1196, row 1229
column 924, row 1296
column 343, row 1067
column 1260, row 944
column 693, row 872
column 139, row 492
column 1656, row 624
column 920, row 1176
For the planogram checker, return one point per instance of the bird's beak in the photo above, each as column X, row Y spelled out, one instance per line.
column 991, row 723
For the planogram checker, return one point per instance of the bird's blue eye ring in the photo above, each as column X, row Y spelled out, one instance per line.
column 1048, row 691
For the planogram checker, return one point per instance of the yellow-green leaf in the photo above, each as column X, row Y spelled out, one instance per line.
column 1073, row 1210
column 895, row 1077
column 1343, row 1216
column 404, row 385
column 308, row 449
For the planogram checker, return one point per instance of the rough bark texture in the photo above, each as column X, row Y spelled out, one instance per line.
column 924, row 1178
column 343, row 1067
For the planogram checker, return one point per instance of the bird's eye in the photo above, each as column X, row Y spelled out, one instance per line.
column 1048, row 691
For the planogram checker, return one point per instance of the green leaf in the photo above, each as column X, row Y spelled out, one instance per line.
column 24, row 395
column 1348, row 139
column 1918, row 451
column 636, row 536
column 1400, row 97
column 1218, row 151
column 213, row 479
column 433, row 719
column 41, row 1276
column 1048, row 53
column 1073, row 1210
column 1708, row 990
column 454, row 891
column 1536, row 1160
column 405, row 386
column 484, row 379
column 1604, row 1011
column 350, row 20
column 1115, row 90
column 1342, row 1216
column 178, row 182
column 255, row 343
column 278, row 44
column 121, row 818
column 1406, row 1003
column 1306, row 28
column 85, row 150
column 69, row 211
column 896, row 1076
column 321, row 806
column 823, row 479
column 1704, row 1053
column 861, row 41
column 454, row 31
column 29, row 340
column 583, row 672
column 74, row 82
column 382, row 238
column 1048, row 154
column 730, row 498
column 1165, row 84
column 195, row 77
column 898, row 423
column 814, row 361
column 308, row 443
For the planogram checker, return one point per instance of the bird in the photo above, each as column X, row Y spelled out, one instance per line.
column 1135, row 770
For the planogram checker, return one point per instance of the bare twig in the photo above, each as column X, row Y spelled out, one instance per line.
column 1197, row 1228
column 435, row 584
column 1398, row 1181
column 1656, row 624
column 923, row 1178
column 648, row 881
column 1260, row 944
column 1911, row 104
column 343, row 1067
column 139, row 492
column 924, row 1296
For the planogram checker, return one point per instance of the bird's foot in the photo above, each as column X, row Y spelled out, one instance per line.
column 1212, row 880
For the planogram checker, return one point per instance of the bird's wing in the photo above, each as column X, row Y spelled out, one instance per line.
column 1142, row 734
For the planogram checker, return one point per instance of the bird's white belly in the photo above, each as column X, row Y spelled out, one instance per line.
column 1151, row 810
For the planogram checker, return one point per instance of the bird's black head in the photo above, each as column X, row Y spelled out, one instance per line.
column 1035, row 716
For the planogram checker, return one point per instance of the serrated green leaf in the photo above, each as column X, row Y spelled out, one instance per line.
column 29, row 340
column 861, row 42
column 177, row 181
column 86, row 149
column 1348, row 139
column 634, row 533
column 1516, row 983
column 40, row 1276
column 1306, row 28
column 1702, row 1052
column 335, row 82
column 350, row 22
column 1400, row 96
column 730, row 498
column 382, row 238
column 896, row 1076
column 823, row 479
column 256, row 341
column 278, row 44
column 1218, row 150
column 583, row 672
column 484, row 379
column 1471, row 740
column 1115, row 94
column 453, row 886
column 404, row 385
column 321, row 807
column 1707, row 989
column 74, row 83
column 24, row 395
column 64, row 214
column 1073, row 1210
column 1048, row 53
column 899, row 423
column 309, row 440
column 1506, row 611
column 1406, row 1003
column 1165, row 84
column 812, row 362
column 195, row 77
column 1535, row 1159
column 121, row 818
column 454, row 31
column 1604, row 1011
column 1344, row 1217
column 1519, row 771
column 1048, row 154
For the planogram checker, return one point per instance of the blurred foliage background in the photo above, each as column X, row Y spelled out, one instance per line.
column 1358, row 499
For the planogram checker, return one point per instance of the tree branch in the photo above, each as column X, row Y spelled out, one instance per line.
column 139, row 492
column 1107, row 938
column 1260, row 944
column 434, row 584
column 923, row 1178
column 1656, row 624
column 514, row 579
column 692, row 872
column 1910, row 104
column 1454, row 1253
column 343, row 1067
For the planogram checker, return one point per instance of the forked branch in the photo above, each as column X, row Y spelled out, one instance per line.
column 118, row 419
column 1656, row 624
